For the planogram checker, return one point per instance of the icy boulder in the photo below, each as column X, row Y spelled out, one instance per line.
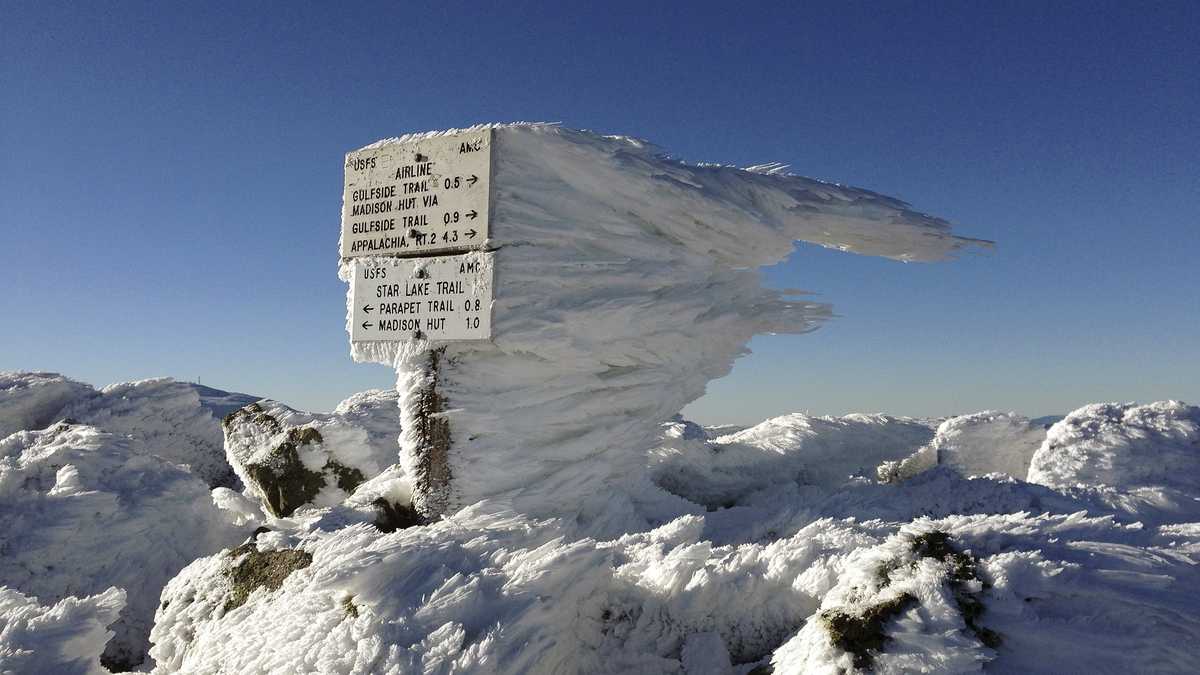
column 795, row 448
column 625, row 281
column 31, row 401
column 1015, row 592
column 65, row 638
column 83, row 510
column 287, row 458
column 1125, row 446
column 974, row 445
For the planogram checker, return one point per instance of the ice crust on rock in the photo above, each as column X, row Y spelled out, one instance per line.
column 65, row 638
column 624, row 282
column 288, row 459
column 84, row 509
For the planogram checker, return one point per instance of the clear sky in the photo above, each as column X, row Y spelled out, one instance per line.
column 170, row 180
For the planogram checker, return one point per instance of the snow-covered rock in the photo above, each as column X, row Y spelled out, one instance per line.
column 1019, row 593
column 1123, row 445
column 84, row 509
column 793, row 448
column 174, row 420
column 165, row 418
column 625, row 281
column 288, row 459
column 492, row 591
column 65, row 638
column 31, row 401
column 974, row 445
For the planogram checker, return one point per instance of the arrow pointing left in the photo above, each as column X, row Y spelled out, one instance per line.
column 366, row 325
column 367, row 308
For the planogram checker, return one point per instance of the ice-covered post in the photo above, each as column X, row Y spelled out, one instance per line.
column 414, row 231
column 549, row 297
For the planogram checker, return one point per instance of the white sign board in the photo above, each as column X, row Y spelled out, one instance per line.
column 402, row 299
column 418, row 197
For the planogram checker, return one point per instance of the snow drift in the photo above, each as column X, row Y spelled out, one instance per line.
column 974, row 445
column 174, row 420
column 84, row 509
column 65, row 639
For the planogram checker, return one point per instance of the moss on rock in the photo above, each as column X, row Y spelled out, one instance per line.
column 964, row 569
column 862, row 635
column 258, row 569
column 348, row 478
column 349, row 607
column 283, row 479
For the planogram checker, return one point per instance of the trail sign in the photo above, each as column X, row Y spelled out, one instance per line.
column 419, row 197
column 403, row 299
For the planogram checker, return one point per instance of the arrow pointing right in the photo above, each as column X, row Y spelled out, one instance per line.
column 366, row 325
column 470, row 234
column 472, row 179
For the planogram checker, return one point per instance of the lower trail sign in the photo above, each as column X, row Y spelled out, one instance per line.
column 402, row 299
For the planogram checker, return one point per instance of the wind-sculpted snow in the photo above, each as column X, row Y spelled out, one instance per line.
column 794, row 448
column 624, row 282
column 492, row 591
column 1139, row 459
column 974, row 445
column 288, row 459
column 173, row 420
column 65, row 638
column 83, row 510
column 1124, row 446
column 1019, row 593
column 164, row 418
column 30, row 401
column 814, row 573
column 939, row 573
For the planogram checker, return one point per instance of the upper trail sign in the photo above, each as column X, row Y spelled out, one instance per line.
column 419, row 197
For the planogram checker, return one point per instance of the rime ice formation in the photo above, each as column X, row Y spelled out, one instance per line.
column 940, row 573
column 163, row 417
column 624, row 282
column 288, row 459
column 793, row 558
column 84, row 509
column 65, row 638
column 794, row 448
column 35, row 400
column 974, row 445
column 174, row 420
column 1127, row 445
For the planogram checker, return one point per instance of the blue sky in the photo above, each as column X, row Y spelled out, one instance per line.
column 170, row 180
